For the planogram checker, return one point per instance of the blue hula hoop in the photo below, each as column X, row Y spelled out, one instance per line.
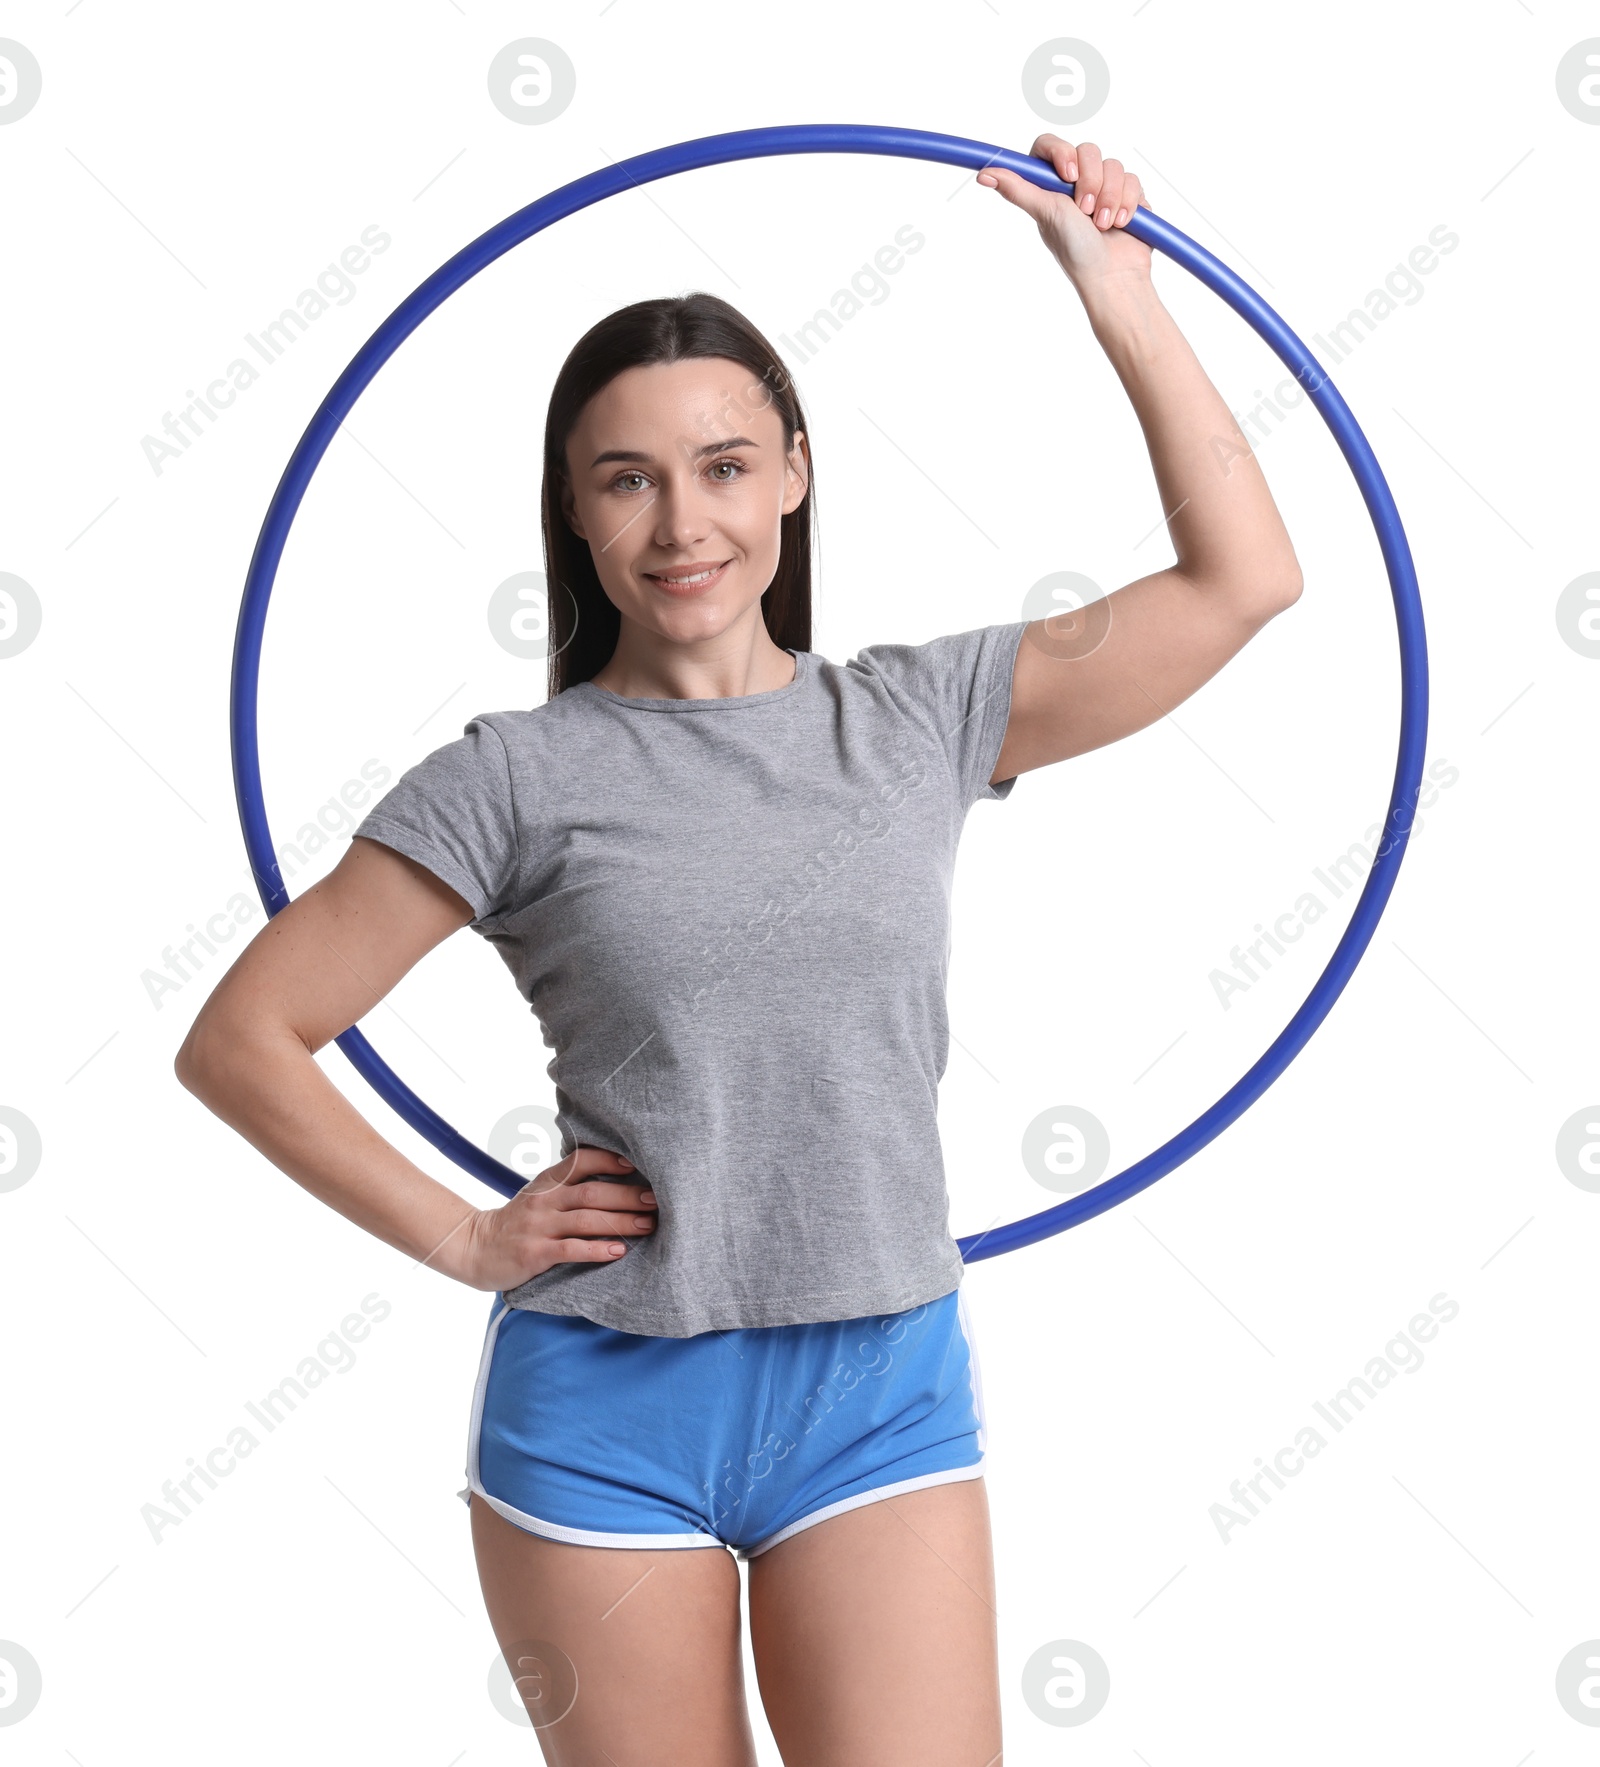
column 712, row 150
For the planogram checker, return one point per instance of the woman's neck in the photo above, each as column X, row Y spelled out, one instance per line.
column 646, row 666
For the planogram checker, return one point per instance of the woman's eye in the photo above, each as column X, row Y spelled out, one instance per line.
column 621, row 481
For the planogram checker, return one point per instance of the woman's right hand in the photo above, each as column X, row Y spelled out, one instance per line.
column 569, row 1214
column 1084, row 231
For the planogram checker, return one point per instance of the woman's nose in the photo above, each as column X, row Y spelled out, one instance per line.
column 681, row 516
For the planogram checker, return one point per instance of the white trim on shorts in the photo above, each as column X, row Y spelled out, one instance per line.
column 975, row 1368
column 535, row 1524
column 877, row 1494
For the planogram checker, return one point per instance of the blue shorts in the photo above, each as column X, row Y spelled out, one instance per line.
column 729, row 1438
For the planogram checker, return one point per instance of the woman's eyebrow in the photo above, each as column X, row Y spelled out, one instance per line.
column 633, row 454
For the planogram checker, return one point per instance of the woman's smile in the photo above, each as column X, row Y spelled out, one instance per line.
column 689, row 579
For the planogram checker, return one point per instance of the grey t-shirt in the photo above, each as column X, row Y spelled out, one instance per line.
column 731, row 919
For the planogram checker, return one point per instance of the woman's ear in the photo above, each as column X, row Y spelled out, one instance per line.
column 799, row 478
column 569, row 509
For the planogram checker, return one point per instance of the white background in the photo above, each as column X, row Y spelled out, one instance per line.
column 187, row 171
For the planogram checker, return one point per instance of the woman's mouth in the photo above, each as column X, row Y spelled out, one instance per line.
column 689, row 579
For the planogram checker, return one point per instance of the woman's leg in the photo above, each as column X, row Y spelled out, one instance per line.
column 652, row 1635
column 875, row 1636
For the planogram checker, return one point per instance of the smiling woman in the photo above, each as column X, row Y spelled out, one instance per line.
column 674, row 424
column 751, row 1184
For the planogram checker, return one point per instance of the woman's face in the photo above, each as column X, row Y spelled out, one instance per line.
column 680, row 468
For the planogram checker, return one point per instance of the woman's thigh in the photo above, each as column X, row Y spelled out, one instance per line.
column 652, row 1639
column 875, row 1634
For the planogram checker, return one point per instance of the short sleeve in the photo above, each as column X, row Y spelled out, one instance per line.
column 959, row 688
column 453, row 812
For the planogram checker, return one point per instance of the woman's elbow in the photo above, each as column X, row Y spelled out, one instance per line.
column 210, row 1055
column 1279, row 588
column 194, row 1062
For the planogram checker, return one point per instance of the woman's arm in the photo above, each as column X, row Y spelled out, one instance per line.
column 1123, row 662
column 310, row 973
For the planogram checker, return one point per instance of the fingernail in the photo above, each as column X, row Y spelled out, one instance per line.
column 647, row 1196
column 616, row 1250
column 644, row 1220
column 1072, row 171
column 622, row 1159
column 1086, row 203
column 1122, row 217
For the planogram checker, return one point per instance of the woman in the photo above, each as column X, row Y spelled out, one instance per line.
column 730, row 1317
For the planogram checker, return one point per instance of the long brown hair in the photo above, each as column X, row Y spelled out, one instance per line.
column 583, row 622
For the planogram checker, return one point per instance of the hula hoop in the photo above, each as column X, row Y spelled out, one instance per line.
column 955, row 150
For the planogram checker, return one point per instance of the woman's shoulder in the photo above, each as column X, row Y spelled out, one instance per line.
column 525, row 725
column 938, row 672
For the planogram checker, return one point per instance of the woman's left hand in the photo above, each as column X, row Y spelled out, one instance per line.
column 1085, row 231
